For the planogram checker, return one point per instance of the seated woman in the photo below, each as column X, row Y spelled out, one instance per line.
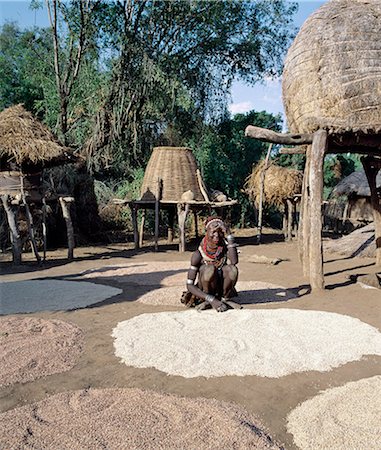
column 215, row 264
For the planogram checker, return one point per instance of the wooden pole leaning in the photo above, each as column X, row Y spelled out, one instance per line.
column 182, row 212
column 318, row 150
column 371, row 167
column 14, row 230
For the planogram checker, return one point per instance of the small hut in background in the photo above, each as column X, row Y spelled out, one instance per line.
column 26, row 148
column 282, row 188
column 350, row 200
column 172, row 182
column 332, row 96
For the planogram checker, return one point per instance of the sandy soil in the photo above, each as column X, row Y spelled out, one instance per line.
column 270, row 399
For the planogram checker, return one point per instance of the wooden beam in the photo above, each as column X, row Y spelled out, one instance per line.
column 319, row 147
column 292, row 151
column 277, row 138
column 134, row 215
column 182, row 212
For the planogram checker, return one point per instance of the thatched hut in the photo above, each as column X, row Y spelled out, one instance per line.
column 281, row 187
column 350, row 200
column 173, row 182
column 332, row 96
column 26, row 147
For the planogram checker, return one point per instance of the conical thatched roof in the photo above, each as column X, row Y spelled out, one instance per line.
column 280, row 183
column 23, row 138
column 332, row 73
column 176, row 167
column 355, row 183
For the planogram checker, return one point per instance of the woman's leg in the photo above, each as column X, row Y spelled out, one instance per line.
column 208, row 279
column 230, row 275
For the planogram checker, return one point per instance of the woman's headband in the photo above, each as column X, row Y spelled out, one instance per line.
column 217, row 223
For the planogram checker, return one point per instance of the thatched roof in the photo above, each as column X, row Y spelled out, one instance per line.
column 332, row 72
column 176, row 167
column 280, row 183
column 355, row 183
column 23, row 138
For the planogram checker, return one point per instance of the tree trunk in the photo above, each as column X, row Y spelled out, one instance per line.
column 65, row 205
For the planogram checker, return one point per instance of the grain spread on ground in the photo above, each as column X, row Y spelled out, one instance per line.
column 32, row 348
column 165, row 273
column 345, row 417
column 266, row 343
column 51, row 295
column 249, row 292
column 130, row 418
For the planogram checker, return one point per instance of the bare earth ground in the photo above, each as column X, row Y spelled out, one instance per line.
column 270, row 399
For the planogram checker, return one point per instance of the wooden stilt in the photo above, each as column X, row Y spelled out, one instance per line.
column 141, row 232
column 134, row 216
column 371, row 167
column 29, row 221
column 65, row 203
column 304, row 220
column 157, row 212
column 195, row 224
column 182, row 212
column 171, row 219
column 319, row 146
column 284, row 220
column 13, row 228
column 44, row 230
column 262, row 186
column 289, row 219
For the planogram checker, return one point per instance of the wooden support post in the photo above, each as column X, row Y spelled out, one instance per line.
column 13, row 229
column 134, row 216
column 182, row 212
column 171, row 220
column 29, row 221
column 262, row 186
column 289, row 219
column 319, row 147
column 65, row 203
column 371, row 167
column 195, row 224
column 157, row 212
column 141, row 232
column 44, row 230
column 304, row 219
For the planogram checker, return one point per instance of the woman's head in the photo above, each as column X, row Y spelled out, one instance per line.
column 215, row 229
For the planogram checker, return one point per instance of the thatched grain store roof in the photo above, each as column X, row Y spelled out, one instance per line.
column 280, row 183
column 332, row 73
column 355, row 183
column 176, row 167
column 23, row 138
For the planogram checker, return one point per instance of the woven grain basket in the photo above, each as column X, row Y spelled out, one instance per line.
column 176, row 167
column 332, row 72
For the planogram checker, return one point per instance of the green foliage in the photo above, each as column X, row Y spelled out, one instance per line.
column 226, row 156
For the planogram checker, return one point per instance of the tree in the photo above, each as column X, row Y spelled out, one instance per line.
column 227, row 156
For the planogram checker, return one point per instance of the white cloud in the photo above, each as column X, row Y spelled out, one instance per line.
column 242, row 107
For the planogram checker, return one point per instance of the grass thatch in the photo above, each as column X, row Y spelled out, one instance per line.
column 280, row 183
column 176, row 167
column 332, row 72
column 355, row 183
column 23, row 138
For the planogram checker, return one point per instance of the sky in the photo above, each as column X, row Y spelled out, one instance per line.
column 266, row 96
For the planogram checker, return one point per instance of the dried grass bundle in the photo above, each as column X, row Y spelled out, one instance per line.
column 332, row 72
column 280, row 183
column 24, row 138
